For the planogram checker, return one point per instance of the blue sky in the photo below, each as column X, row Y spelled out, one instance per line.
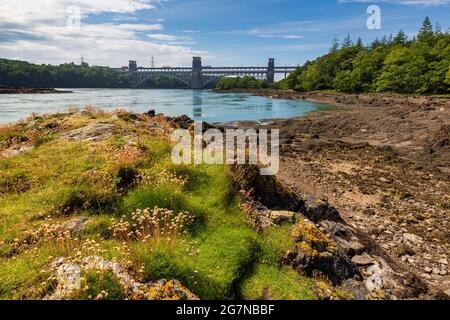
column 223, row 32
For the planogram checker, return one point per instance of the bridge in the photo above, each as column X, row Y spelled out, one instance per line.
column 199, row 77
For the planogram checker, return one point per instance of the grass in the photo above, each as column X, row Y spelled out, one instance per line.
column 278, row 283
column 219, row 256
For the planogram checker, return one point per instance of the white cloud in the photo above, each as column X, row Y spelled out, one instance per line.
column 167, row 37
column 282, row 36
column 36, row 31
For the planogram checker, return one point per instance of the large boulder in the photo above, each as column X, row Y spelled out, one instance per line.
column 93, row 132
column 318, row 209
column 266, row 189
column 315, row 253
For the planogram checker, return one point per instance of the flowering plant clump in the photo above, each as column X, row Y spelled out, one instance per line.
column 127, row 155
column 152, row 226
column 55, row 233
column 163, row 177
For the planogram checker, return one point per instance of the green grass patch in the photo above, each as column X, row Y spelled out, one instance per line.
column 277, row 283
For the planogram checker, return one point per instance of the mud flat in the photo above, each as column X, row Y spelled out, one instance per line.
column 20, row 90
column 383, row 161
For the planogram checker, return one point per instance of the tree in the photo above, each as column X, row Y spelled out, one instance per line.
column 400, row 39
column 359, row 43
column 347, row 42
column 426, row 31
column 447, row 79
column 437, row 28
column 334, row 45
column 403, row 72
column 376, row 43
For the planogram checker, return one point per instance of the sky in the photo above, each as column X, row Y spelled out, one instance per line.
column 222, row 32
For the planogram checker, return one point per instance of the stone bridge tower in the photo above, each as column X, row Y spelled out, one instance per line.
column 196, row 76
column 271, row 71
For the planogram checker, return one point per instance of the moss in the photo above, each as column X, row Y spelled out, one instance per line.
column 326, row 291
column 277, row 283
column 310, row 238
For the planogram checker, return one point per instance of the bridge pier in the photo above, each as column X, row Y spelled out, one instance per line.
column 271, row 71
column 196, row 76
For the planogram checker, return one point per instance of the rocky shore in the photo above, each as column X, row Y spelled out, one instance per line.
column 22, row 90
column 382, row 162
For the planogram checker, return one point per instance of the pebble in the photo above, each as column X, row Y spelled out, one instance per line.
column 428, row 270
column 436, row 271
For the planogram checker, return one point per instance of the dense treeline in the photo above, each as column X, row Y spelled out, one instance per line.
column 241, row 83
column 24, row 74
column 392, row 64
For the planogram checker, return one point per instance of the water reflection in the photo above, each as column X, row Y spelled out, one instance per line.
column 197, row 103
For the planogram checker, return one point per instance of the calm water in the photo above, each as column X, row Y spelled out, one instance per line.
column 200, row 105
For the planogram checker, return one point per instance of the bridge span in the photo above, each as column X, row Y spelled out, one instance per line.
column 198, row 76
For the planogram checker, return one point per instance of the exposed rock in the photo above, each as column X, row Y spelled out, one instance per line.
column 263, row 218
column 279, row 217
column 77, row 225
column 412, row 238
column 345, row 236
column 362, row 260
column 315, row 252
column 93, row 132
column 374, row 282
column 15, row 151
column 266, row 189
column 318, row 209
column 150, row 113
column 355, row 288
column 69, row 274
column 181, row 122
column 403, row 249
column 324, row 291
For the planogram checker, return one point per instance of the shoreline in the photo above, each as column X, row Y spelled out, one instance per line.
column 382, row 160
column 25, row 90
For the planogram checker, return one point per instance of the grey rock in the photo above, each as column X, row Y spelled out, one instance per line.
column 278, row 217
column 362, row 260
column 374, row 281
column 318, row 209
column 409, row 237
column 428, row 270
column 335, row 265
column 77, row 225
column 93, row 132
column 356, row 288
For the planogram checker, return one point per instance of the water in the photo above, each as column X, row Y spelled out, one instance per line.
column 199, row 105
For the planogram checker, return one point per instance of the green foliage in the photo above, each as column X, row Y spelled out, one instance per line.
column 96, row 283
column 70, row 75
column 392, row 64
column 447, row 79
column 20, row 73
column 277, row 283
column 241, row 83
